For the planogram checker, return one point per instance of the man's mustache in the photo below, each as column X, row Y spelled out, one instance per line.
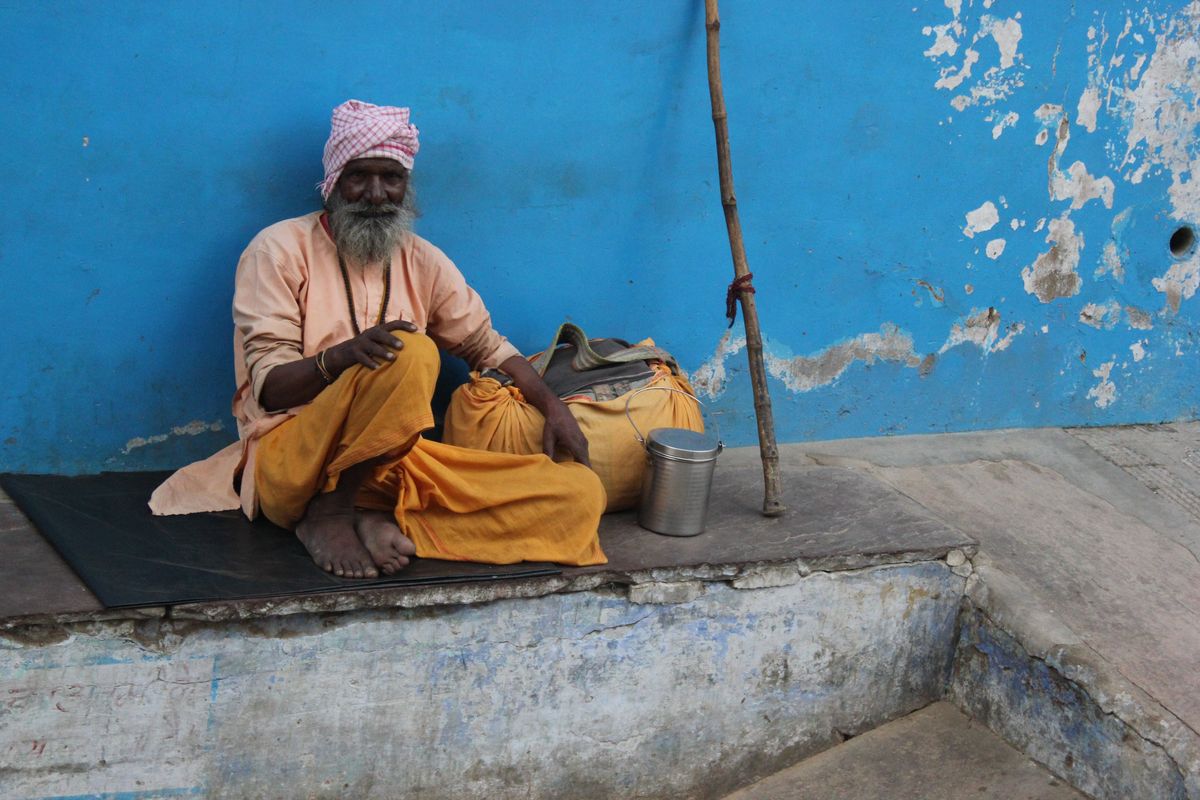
column 365, row 209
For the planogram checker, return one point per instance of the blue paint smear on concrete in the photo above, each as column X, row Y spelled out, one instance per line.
column 1052, row 719
column 150, row 794
column 567, row 165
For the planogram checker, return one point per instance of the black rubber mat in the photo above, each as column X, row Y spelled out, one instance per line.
column 102, row 527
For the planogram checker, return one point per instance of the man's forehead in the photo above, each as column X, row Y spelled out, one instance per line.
column 381, row 166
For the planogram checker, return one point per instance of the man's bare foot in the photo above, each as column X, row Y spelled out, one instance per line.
column 327, row 530
column 383, row 539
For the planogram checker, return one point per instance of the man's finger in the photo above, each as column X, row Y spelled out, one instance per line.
column 400, row 325
column 581, row 455
column 384, row 338
column 364, row 358
column 376, row 350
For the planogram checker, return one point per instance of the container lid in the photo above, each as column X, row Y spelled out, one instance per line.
column 682, row 444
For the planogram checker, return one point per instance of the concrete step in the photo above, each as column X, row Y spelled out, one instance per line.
column 938, row 753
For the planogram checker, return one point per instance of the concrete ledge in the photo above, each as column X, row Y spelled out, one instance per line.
column 580, row 694
column 838, row 521
column 1054, row 699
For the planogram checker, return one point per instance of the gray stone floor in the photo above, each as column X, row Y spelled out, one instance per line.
column 1090, row 534
column 938, row 753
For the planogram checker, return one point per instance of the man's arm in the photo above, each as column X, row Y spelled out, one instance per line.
column 561, row 432
column 298, row 382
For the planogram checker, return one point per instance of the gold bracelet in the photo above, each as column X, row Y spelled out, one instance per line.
column 324, row 370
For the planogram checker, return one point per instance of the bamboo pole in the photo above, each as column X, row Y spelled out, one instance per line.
column 772, row 505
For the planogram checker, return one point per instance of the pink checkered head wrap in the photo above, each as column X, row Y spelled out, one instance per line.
column 363, row 130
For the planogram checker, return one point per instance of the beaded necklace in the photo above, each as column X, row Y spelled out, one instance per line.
column 387, row 293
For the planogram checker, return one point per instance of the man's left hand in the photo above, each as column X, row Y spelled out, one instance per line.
column 561, row 434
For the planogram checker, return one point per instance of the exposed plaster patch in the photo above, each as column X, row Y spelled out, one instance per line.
column 1007, row 35
column 709, row 378
column 1138, row 319
column 1158, row 104
column 1048, row 114
column 1105, row 392
column 1180, row 282
column 1101, row 315
column 193, row 428
column 1078, row 186
column 1136, row 69
column 946, row 41
column 982, row 329
column 952, row 78
column 997, row 82
column 1052, row 274
column 1011, row 333
column 981, row 219
column 1085, row 112
column 1007, row 121
column 1110, row 263
column 995, row 248
column 1138, row 349
column 805, row 373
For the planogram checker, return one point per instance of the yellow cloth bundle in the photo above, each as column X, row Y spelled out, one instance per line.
column 485, row 415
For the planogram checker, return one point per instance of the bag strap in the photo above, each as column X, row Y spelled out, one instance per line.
column 586, row 358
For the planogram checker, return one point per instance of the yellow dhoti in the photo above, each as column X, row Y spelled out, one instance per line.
column 452, row 502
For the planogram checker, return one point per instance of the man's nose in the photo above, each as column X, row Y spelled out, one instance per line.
column 375, row 194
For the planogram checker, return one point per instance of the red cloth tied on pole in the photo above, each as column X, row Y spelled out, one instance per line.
column 739, row 284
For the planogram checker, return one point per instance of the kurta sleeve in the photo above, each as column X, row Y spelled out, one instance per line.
column 458, row 320
column 266, row 310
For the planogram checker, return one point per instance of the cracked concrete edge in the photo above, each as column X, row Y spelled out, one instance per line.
column 1011, row 606
column 402, row 597
column 155, row 632
column 72, row 617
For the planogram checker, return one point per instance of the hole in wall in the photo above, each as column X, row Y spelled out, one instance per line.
column 1183, row 240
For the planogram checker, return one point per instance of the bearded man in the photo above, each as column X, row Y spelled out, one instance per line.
column 338, row 316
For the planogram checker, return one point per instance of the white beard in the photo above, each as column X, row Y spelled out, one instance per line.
column 366, row 233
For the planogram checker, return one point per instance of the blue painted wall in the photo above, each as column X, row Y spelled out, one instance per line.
column 567, row 165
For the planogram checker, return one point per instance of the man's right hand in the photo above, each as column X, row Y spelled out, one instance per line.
column 370, row 348
column 297, row 383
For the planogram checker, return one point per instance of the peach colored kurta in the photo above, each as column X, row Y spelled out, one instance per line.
column 290, row 303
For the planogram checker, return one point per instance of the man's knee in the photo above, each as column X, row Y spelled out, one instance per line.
column 417, row 359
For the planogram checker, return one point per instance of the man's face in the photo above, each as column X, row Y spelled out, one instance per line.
column 373, row 181
column 371, row 209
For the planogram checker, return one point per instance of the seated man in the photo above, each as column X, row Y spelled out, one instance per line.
column 339, row 315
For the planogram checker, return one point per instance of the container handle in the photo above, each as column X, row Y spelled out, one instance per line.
column 637, row 433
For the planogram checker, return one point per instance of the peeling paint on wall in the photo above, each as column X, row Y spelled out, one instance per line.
column 193, row 428
column 1179, row 283
column 1105, row 392
column 709, row 378
column 981, row 219
column 804, row 373
column 1101, row 315
column 982, row 329
column 1007, row 121
column 997, row 82
column 1161, row 110
column 1052, row 274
